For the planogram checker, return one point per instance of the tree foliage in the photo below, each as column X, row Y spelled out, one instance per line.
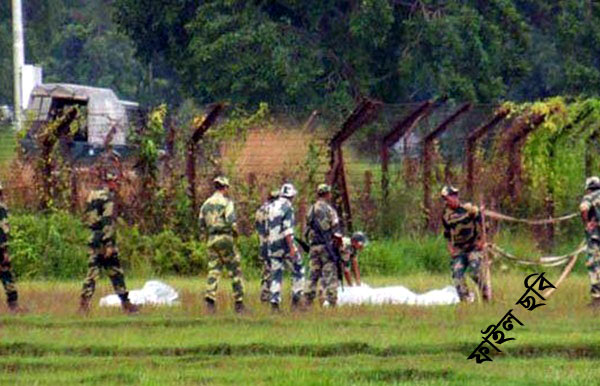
column 328, row 53
column 313, row 53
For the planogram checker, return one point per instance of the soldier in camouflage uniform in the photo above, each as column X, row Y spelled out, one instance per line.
column 103, row 252
column 463, row 230
column 349, row 248
column 217, row 219
column 282, row 248
column 261, row 222
column 590, row 214
column 6, row 273
column 322, row 266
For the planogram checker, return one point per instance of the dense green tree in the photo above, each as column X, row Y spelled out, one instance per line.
column 74, row 41
column 313, row 53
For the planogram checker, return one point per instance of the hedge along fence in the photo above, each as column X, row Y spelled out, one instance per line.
column 54, row 246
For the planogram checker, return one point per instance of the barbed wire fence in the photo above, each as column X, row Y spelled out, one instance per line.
column 295, row 147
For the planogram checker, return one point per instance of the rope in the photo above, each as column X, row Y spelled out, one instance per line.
column 563, row 276
column 500, row 216
column 546, row 261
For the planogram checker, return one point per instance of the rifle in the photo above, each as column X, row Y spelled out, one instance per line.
column 333, row 252
column 305, row 247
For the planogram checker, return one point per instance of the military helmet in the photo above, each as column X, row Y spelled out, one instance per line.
column 592, row 183
column 359, row 237
column 448, row 190
column 273, row 194
column 288, row 191
column 323, row 188
column 221, row 180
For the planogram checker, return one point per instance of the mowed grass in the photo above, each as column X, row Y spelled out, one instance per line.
column 367, row 345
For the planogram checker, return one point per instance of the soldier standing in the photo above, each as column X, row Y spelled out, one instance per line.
column 103, row 252
column 349, row 253
column 6, row 273
column 590, row 214
column 282, row 248
column 463, row 230
column 323, row 216
column 217, row 219
column 261, row 222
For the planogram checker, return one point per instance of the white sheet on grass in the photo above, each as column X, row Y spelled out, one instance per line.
column 154, row 292
column 396, row 295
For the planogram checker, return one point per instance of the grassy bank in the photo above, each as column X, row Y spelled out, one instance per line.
column 366, row 345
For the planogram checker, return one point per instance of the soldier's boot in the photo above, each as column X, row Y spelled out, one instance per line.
column 308, row 301
column 14, row 307
column 297, row 305
column 265, row 297
column 211, row 308
column 129, row 307
column 595, row 303
column 275, row 308
column 240, row 308
column 486, row 293
column 84, row 305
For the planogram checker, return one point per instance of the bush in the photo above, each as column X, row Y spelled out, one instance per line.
column 48, row 246
column 54, row 246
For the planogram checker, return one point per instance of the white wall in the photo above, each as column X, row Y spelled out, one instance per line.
column 31, row 77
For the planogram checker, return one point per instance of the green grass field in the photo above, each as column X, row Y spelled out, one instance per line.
column 366, row 345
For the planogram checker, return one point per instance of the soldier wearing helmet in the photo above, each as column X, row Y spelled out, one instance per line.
column 349, row 248
column 282, row 248
column 463, row 230
column 6, row 273
column 103, row 252
column 590, row 215
column 323, row 219
column 218, row 221
column 261, row 224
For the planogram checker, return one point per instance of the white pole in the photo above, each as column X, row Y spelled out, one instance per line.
column 18, row 60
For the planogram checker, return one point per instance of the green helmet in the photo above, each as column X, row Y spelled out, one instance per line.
column 221, row 180
column 359, row 237
column 323, row 188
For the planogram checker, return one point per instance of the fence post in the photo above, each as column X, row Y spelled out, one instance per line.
column 365, row 112
column 514, row 140
column 471, row 146
column 428, row 141
column 198, row 133
column 400, row 129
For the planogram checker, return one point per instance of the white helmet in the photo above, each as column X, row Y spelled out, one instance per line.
column 592, row 183
column 288, row 191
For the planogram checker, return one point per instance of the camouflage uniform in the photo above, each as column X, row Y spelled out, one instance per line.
column 347, row 252
column 103, row 252
column 321, row 265
column 591, row 203
column 217, row 218
column 261, row 219
column 462, row 227
column 6, row 273
column 281, row 223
